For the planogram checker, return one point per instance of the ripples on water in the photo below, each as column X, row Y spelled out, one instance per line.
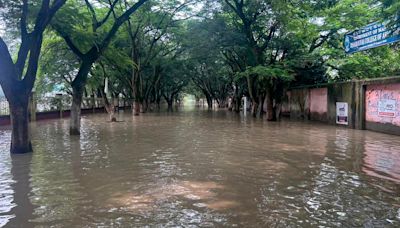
column 200, row 169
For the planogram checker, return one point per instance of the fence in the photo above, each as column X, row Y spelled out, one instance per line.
column 57, row 106
column 4, row 108
column 62, row 103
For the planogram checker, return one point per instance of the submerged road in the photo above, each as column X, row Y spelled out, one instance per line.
column 199, row 168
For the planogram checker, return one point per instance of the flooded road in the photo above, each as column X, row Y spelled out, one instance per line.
column 200, row 169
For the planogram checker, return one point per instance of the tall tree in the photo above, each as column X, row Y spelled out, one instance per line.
column 257, row 20
column 17, row 78
column 104, row 26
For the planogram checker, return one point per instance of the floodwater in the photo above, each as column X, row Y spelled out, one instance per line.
column 200, row 169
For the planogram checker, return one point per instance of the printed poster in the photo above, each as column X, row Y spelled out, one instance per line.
column 342, row 113
column 387, row 108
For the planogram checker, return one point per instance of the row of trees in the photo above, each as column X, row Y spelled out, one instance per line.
column 154, row 50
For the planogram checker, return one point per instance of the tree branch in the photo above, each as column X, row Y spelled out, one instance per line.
column 118, row 22
column 269, row 37
column 24, row 30
column 93, row 12
column 71, row 45
column 7, row 70
column 112, row 6
column 319, row 41
column 25, row 41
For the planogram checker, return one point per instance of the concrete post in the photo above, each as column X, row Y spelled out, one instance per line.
column 360, row 105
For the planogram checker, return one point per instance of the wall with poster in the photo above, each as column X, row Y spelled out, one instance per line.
column 371, row 104
column 342, row 113
column 382, row 104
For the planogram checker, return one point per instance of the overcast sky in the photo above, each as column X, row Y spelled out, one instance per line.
column 1, row 28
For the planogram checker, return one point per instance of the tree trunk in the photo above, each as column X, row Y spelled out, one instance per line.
column 112, row 116
column 109, row 105
column 278, row 108
column 20, row 139
column 254, row 108
column 238, row 103
column 253, row 96
column 136, row 108
column 75, row 119
column 110, row 108
column 222, row 103
column 170, row 104
column 209, row 102
column 270, row 106
column 78, row 87
column 145, row 106
column 261, row 108
column 158, row 104
column 236, row 99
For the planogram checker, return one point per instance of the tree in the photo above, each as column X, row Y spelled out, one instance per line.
column 266, row 82
column 259, row 24
column 174, row 79
column 100, row 36
column 151, row 35
column 17, row 78
column 57, row 68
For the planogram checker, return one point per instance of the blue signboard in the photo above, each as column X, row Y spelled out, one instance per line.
column 370, row 36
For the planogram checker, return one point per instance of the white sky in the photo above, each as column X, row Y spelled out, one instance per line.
column 2, row 28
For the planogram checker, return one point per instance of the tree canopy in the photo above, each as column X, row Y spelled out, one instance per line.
column 214, row 49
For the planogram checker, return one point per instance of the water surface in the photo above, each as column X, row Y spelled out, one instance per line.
column 199, row 168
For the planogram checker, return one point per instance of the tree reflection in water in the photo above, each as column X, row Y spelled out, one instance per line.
column 23, row 208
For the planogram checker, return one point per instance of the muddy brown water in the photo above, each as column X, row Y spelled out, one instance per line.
column 200, row 169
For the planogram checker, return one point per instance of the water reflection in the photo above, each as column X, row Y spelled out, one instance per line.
column 6, row 182
column 22, row 208
column 202, row 193
column 201, row 169
column 382, row 160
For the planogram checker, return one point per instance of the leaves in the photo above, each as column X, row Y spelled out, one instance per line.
column 268, row 73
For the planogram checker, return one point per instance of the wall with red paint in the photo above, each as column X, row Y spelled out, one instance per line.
column 318, row 103
column 386, row 96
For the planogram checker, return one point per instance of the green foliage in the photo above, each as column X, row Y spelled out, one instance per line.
column 379, row 62
column 215, row 51
column 392, row 7
column 57, row 67
column 268, row 73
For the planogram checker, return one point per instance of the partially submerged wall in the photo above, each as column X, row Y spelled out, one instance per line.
column 372, row 104
column 382, row 107
column 318, row 104
column 309, row 104
column 285, row 108
column 341, row 92
column 299, row 104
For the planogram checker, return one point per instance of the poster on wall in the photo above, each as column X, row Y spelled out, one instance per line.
column 342, row 113
column 387, row 108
